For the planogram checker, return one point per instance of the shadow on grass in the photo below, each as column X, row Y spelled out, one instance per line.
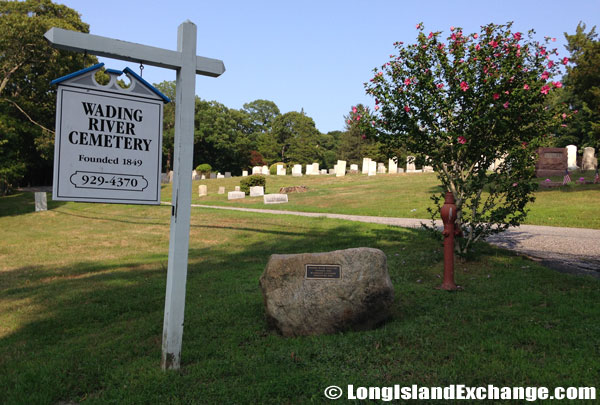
column 24, row 203
column 92, row 331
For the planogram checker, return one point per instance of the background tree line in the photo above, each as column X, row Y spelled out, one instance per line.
column 226, row 138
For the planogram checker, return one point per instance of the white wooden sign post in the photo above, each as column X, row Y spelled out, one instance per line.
column 187, row 64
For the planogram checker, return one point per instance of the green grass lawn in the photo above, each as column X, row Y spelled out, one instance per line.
column 404, row 196
column 82, row 297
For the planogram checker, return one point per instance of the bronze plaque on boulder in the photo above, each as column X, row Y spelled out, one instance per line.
column 323, row 271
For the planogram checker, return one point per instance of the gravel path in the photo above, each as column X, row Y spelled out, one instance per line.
column 569, row 250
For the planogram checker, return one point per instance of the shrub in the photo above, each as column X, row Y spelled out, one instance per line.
column 204, row 168
column 273, row 167
column 252, row 181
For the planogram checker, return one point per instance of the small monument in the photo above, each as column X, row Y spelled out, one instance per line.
column 365, row 165
column 202, row 190
column 323, row 293
column 589, row 161
column 41, row 202
column 340, row 170
column 410, row 164
column 393, row 165
column 551, row 162
column 297, row 170
column 372, row 168
column 257, row 191
column 572, row 157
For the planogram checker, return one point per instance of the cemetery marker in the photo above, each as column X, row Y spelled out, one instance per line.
column 187, row 64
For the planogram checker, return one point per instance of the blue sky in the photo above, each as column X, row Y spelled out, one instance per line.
column 314, row 55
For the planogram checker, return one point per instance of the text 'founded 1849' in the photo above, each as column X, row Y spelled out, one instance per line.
column 323, row 271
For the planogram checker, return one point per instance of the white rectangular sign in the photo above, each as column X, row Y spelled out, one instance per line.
column 107, row 147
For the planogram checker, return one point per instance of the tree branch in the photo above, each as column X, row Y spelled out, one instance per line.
column 28, row 117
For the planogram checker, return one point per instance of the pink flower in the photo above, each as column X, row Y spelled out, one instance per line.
column 517, row 36
column 452, row 28
column 358, row 118
column 354, row 110
column 430, row 35
column 563, row 125
column 550, row 64
column 376, row 107
column 464, row 86
column 349, row 121
column 545, row 89
column 564, row 116
column 545, row 75
column 526, row 87
column 507, row 92
column 364, row 136
column 558, row 85
column 565, row 60
column 407, row 82
column 406, row 108
column 553, row 39
column 453, row 37
column 440, row 85
column 493, row 44
column 496, row 96
column 462, row 140
column 418, row 26
column 548, row 181
column 477, row 47
column 475, row 36
column 505, row 105
column 515, row 184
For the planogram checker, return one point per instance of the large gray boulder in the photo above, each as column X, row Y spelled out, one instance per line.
column 322, row 293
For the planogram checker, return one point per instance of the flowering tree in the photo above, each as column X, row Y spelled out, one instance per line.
column 462, row 105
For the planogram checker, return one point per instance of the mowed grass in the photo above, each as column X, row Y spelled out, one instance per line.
column 82, row 297
column 403, row 196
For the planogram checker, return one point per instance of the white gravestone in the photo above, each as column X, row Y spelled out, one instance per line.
column 315, row 169
column 227, row 175
column 365, row 165
column 297, row 170
column 194, row 175
column 257, row 170
column 237, row 188
column 354, row 168
column 221, row 190
column 265, row 170
column 213, row 175
column 257, row 191
column 235, row 195
column 340, row 170
column 372, row 168
column 572, row 157
column 41, row 202
column 220, row 176
column 323, row 171
column 332, row 171
column 393, row 166
column 202, row 190
column 308, row 170
column 280, row 170
column 410, row 164
column 244, row 173
column 381, row 168
column 275, row 198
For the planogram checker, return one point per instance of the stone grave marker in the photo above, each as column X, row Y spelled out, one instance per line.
column 297, row 170
column 265, row 170
column 213, row 175
column 365, row 165
column 372, row 168
column 202, row 190
column 393, row 165
column 41, row 202
column 381, row 168
column 315, row 169
column 164, row 178
column 257, row 170
column 589, row 161
column 220, row 176
column 572, row 157
column 235, row 195
column 221, row 190
column 280, row 170
column 244, row 173
column 323, row 171
column 227, row 175
column 410, row 164
column 275, row 198
column 551, row 162
column 237, row 188
column 257, row 191
column 340, row 170
column 354, row 168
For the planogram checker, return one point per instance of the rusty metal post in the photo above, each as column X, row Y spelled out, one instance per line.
column 448, row 214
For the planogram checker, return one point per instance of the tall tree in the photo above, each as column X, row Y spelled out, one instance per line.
column 168, row 89
column 27, row 101
column 297, row 138
column 581, row 91
column 262, row 114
